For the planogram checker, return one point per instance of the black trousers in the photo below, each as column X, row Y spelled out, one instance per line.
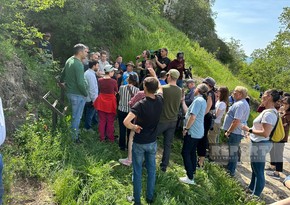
column 276, row 156
column 203, row 143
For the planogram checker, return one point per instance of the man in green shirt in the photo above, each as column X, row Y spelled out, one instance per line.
column 72, row 79
column 168, row 119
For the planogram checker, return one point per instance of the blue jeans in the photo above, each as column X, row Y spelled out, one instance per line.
column 139, row 151
column 1, row 182
column 189, row 155
column 90, row 113
column 258, row 159
column 234, row 144
column 77, row 103
column 168, row 130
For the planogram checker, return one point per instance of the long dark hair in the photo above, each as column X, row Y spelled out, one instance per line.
column 224, row 95
column 287, row 100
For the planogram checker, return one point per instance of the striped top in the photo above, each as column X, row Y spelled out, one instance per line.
column 125, row 97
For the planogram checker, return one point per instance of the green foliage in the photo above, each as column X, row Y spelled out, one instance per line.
column 196, row 20
column 13, row 21
column 271, row 68
column 89, row 173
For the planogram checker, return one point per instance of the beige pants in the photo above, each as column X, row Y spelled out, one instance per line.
column 212, row 134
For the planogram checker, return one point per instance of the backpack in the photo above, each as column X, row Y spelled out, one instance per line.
column 277, row 134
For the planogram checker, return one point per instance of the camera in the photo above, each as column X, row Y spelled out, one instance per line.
column 188, row 73
column 154, row 53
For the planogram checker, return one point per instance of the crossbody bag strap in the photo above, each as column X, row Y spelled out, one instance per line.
column 130, row 90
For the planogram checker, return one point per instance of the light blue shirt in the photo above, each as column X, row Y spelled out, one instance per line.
column 197, row 108
column 92, row 85
column 240, row 110
column 126, row 76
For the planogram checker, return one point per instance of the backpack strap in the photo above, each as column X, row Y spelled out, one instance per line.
column 130, row 90
column 274, row 128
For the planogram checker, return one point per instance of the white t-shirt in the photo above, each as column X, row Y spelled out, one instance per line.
column 220, row 105
column 268, row 116
column 2, row 124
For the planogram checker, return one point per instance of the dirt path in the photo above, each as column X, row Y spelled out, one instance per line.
column 274, row 189
column 30, row 192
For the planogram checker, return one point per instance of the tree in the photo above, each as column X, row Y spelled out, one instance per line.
column 271, row 66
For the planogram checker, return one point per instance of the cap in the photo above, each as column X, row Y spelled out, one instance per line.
column 190, row 81
column 109, row 68
column 202, row 88
column 210, row 81
column 130, row 63
column 132, row 77
column 173, row 73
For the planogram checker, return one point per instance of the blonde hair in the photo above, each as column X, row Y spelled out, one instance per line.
column 242, row 90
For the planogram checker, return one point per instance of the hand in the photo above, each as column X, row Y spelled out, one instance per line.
column 245, row 128
column 227, row 134
column 119, row 75
column 184, row 132
column 156, row 58
column 137, row 128
column 61, row 85
column 152, row 72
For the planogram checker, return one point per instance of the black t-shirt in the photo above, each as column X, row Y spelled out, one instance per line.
column 147, row 113
column 162, row 61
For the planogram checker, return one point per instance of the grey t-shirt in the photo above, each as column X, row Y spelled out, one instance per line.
column 240, row 110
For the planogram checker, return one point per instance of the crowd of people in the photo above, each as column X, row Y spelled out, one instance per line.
column 147, row 96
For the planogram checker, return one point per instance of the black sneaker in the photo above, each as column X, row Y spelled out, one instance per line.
column 78, row 141
column 149, row 201
column 163, row 169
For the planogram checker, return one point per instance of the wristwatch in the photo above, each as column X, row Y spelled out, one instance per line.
column 250, row 130
column 186, row 129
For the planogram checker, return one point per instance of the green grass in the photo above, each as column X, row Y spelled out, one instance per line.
column 89, row 173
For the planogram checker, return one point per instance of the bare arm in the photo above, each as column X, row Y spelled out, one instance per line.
column 264, row 132
column 128, row 123
column 162, row 66
column 189, row 123
column 153, row 74
column 235, row 123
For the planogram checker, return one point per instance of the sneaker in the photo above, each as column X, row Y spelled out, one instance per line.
column 273, row 175
column 249, row 191
column 149, row 201
column 186, row 180
column 163, row 169
column 125, row 162
column 78, row 141
column 130, row 199
column 270, row 168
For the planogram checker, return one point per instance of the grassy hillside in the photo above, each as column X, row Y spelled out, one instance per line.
column 154, row 31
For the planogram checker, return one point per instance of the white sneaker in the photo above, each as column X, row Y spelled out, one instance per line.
column 186, row 180
column 273, row 175
column 130, row 199
column 125, row 161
